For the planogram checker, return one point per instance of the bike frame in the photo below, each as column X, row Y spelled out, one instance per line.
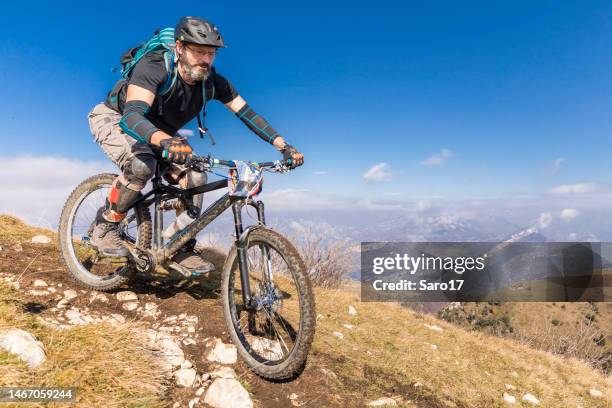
column 162, row 252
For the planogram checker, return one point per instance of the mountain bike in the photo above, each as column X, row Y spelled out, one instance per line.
column 267, row 297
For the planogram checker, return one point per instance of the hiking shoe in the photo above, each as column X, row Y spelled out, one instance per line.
column 105, row 237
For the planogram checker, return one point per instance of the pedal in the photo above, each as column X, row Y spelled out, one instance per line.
column 178, row 268
column 186, row 273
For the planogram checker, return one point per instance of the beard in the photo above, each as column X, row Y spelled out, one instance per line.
column 195, row 72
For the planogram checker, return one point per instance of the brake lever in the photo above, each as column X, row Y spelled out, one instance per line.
column 199, row 164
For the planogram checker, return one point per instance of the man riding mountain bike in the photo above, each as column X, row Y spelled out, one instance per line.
column 138, row 122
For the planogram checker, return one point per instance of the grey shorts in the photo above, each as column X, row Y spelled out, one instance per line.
column 124, row 151
column 119, row 147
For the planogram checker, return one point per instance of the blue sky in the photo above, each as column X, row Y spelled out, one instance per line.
column 517, row 93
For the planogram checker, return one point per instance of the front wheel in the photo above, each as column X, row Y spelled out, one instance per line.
column 274, row 332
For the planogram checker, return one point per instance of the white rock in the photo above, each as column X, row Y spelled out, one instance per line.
column 510, row 399
column 118, row 318
column 51, row 289
column 188, row 342
column 417, row 384
column 129, row 306
column 434, row 347
column 182, row 315
column 70, row 294
column 531, row 399
column 352, row 311
column 227, row 393
column 73, row 314
column 433, row 327
column 39, row 283
column 200, row 391
column 150, row 309
column 186, row 364
column 348, row 326
column 176, row 405
column 24, row 345
column 126, row 295
column 269, row 349
column 221, row 353
column 40, row 239
column 59, row 285
column 223, row 372
column 38, row 292
column 338, row 335
column 100, row 297
column 595, row 393
column 185, row 377
column 510, row 387
column 17, row 247
column 193, row 402
column 190, row 329
column 62, row 303
column 170, row 352
column 514, row 374
column 383, row 402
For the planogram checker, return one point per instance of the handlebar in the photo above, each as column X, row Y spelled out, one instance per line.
column 204, row 163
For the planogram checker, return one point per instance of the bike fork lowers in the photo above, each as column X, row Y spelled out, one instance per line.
column 242, row 247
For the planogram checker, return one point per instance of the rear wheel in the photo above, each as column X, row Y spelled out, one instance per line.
column 76, row 225
column 274, row 333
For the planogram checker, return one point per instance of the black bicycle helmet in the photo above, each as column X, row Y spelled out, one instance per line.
column 197, row 30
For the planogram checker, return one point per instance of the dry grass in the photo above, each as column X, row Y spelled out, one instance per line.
column 580, row 329
column 389, row 350
column 106, row 364
column 327, row 262
column 14, row 230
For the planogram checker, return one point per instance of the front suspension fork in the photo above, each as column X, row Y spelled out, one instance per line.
column 242, row 247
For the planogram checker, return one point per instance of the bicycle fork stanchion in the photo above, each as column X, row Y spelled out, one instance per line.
column 159, row 215
column 264, row 249
column 242, row 255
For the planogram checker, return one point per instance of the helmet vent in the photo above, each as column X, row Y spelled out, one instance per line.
column 202, row 34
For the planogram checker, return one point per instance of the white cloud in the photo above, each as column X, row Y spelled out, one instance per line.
column 438, row 158
column 378, row 172
column 569, row 213
column 319, row 172
column 556, row 165
column 35, row 188
column 544, row 220
column 577, row 188
column 185, row 132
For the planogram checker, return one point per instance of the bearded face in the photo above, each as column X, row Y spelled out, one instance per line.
column 195, row 61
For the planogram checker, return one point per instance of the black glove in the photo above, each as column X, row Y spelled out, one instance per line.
column 289, row 152
column 176, row 149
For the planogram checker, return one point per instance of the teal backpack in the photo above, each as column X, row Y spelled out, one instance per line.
column 161, row 40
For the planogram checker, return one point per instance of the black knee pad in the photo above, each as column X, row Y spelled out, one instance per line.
column 140, row 169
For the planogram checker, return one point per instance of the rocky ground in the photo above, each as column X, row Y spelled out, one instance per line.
column 185, row 327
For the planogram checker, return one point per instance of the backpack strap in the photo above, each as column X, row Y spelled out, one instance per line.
column 202, row 118
column 172, row 73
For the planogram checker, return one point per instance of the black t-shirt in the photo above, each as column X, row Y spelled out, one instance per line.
column 182, row 102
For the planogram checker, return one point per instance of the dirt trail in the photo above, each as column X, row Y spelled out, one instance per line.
column 199, row 298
